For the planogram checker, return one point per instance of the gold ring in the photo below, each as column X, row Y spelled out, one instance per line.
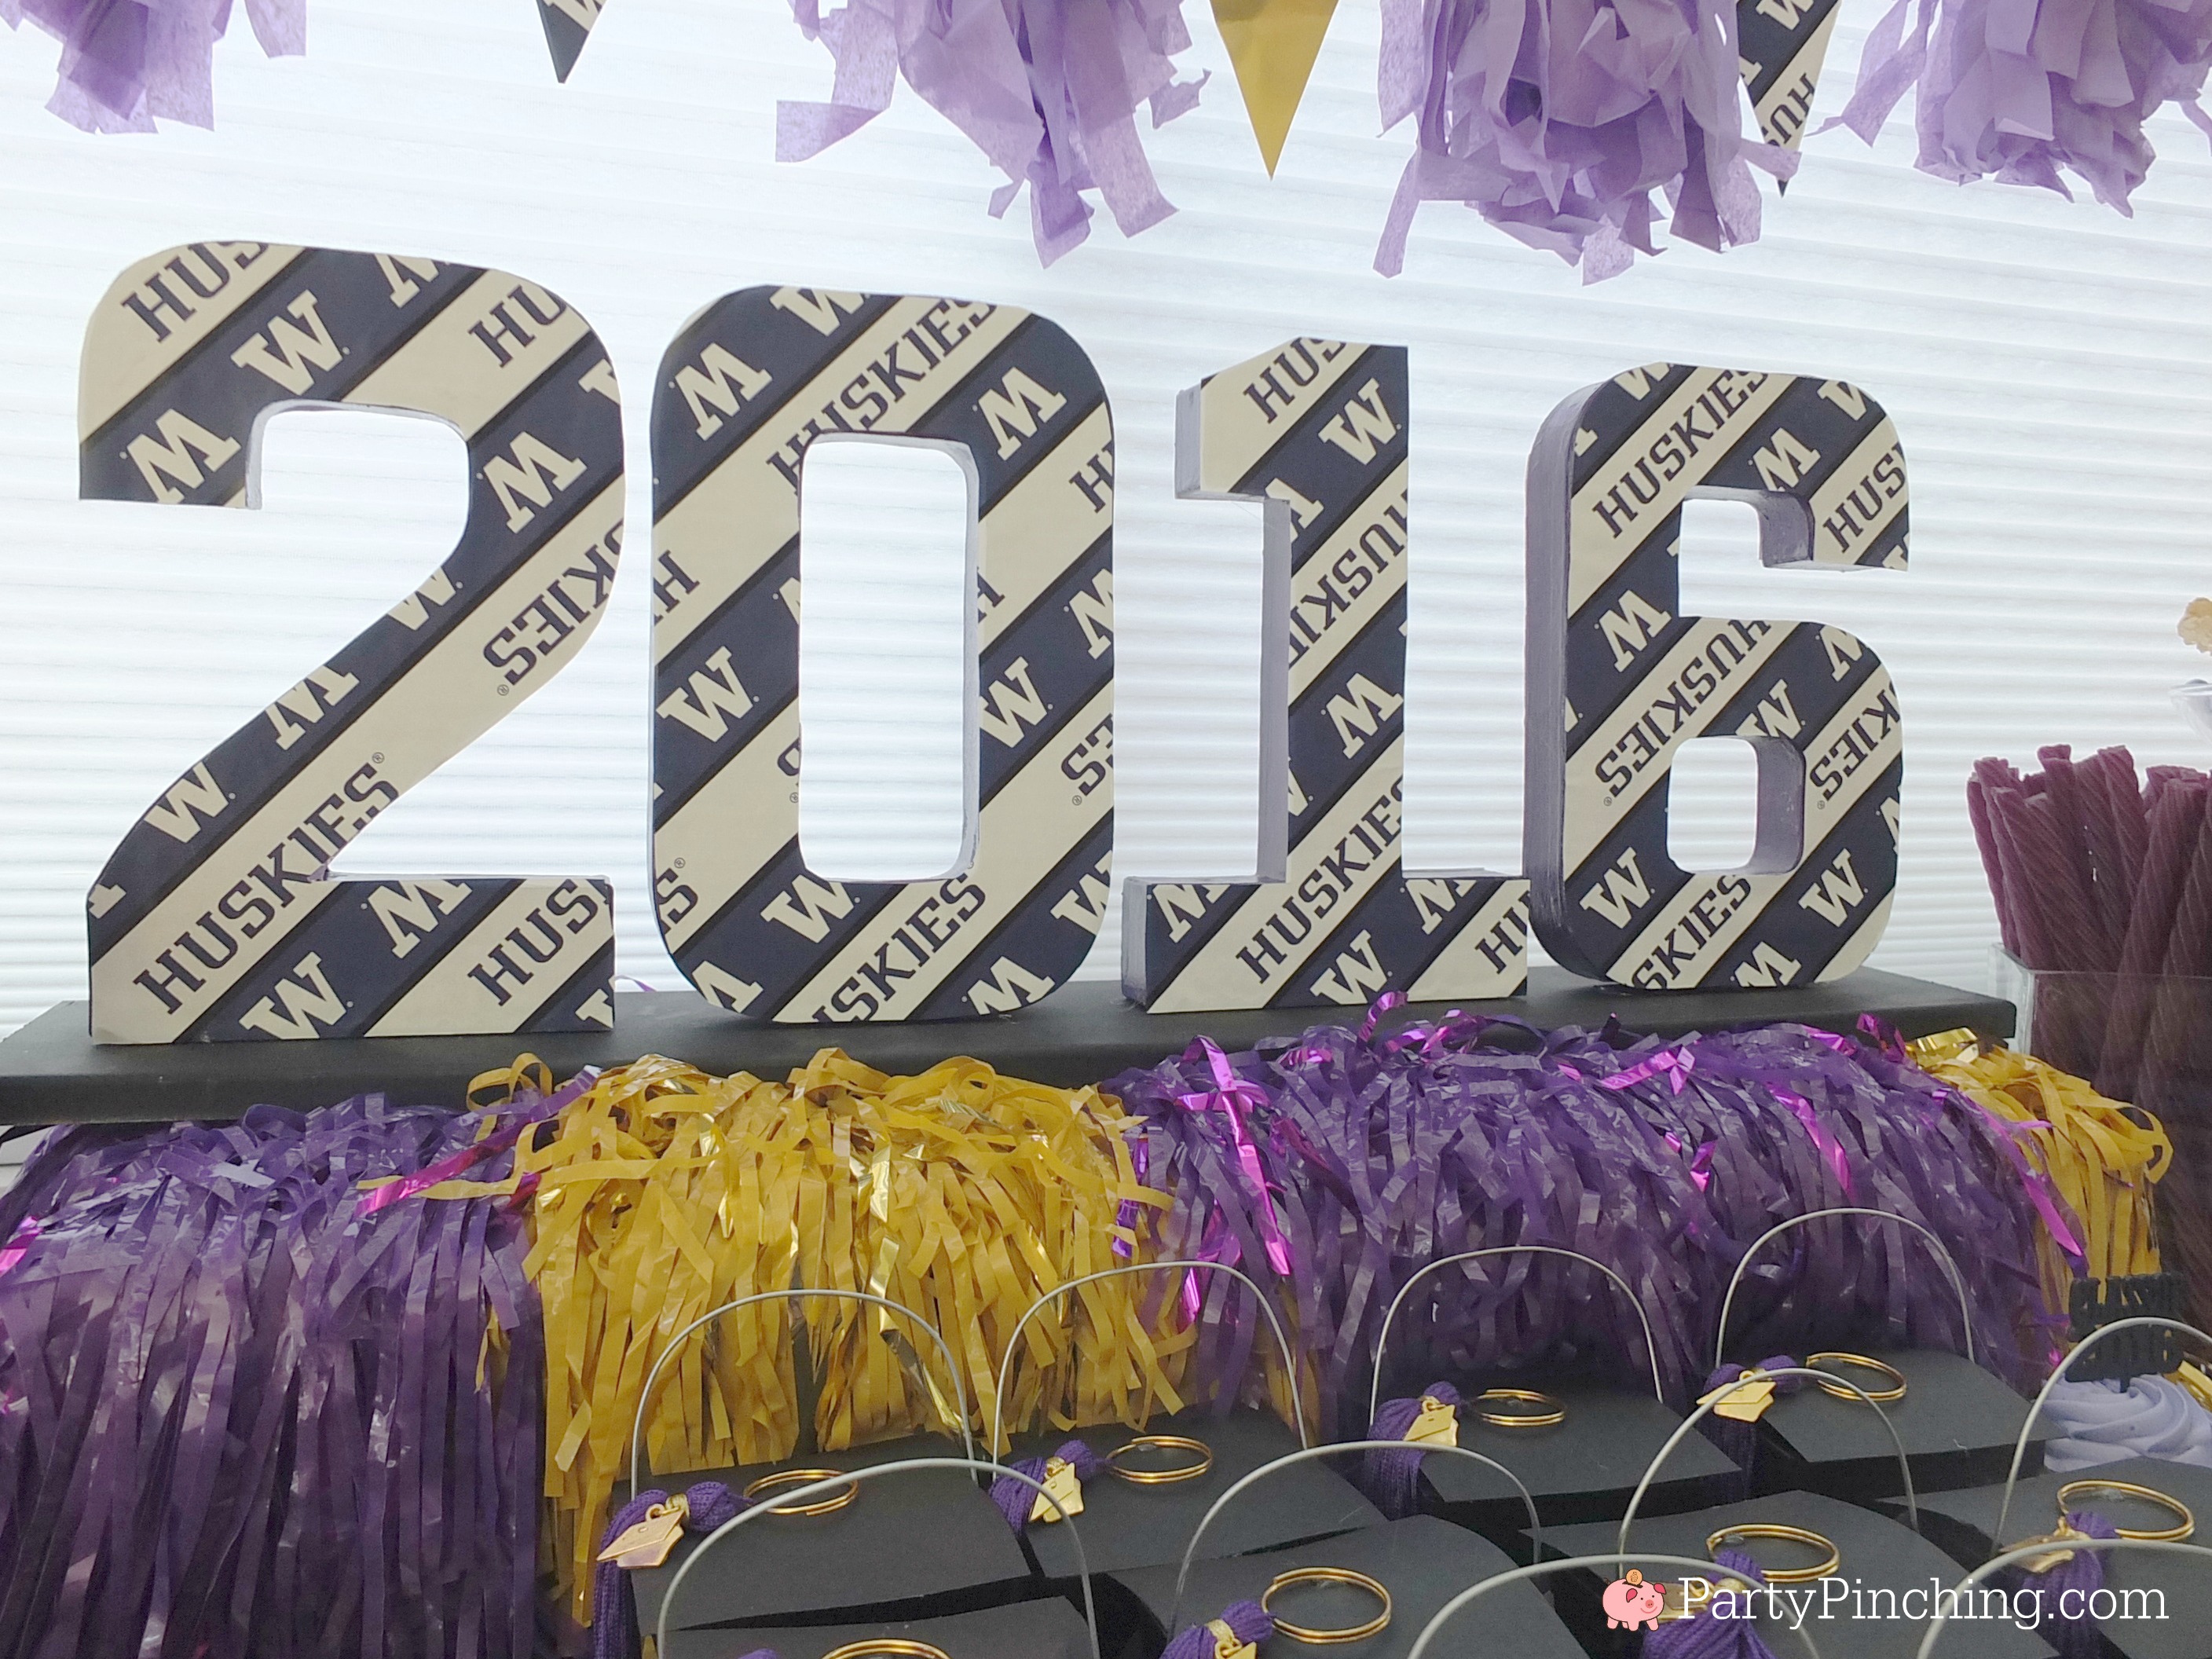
column 2173, row 1534
column 887, row 1644
column 1162, row 1442
column 1895, row 1375
column 1751, row 1529
column 819, row 1506
column 1325, row 1576
column 1552, row 1410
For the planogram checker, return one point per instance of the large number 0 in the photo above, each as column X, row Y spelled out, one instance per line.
column 1317, row 432
column 745, row 390
column 215, row 920
column 1618, row 680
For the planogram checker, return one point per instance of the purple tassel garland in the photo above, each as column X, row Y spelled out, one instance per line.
column 2025, row 93
column 1249, row 1620
column 1738, row 1440
column 125, row 61
column 1015, row 1500
column 1557, row 119
column 242, row 1416
column 1047, row 89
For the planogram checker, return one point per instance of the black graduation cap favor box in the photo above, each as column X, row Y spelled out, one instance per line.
column 1582, row 1469
column 1847, row 1616
column 1423, row 1561
column 2174, row 1623
column 1959, row 1424
column 1047, row 1629
column 921, row 1543
column 1127, row 1524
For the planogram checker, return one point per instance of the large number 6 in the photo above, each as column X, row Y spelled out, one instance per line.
column 1317, row 432
column 215, row 920
column 1618, row 680
column 747, row 386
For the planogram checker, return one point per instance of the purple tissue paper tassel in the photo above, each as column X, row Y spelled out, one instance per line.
column 1557, row 119
column 1393, row 1479
column 2025, row 94
column 1047, row 89
column 615, row 1634
column 1710, row 1635
column 2077, row 1638
column 1015, row 1499
column 1250, row 1621
column 125, row 61
column 241, row 1418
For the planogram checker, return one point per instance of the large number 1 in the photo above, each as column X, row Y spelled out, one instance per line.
column 215, row 920
column 1317, row 432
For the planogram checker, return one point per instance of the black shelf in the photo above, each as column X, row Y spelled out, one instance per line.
column 51, row 1071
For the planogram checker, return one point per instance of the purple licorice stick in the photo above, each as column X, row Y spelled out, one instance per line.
column 2176, row 1079
column 2026, row 95
column 1047, row 89
column 2082, row 1574
column 1247, row 1620
column 708, row 1504
column 1710, row 1635
column 2176, row 822
column 125, row 64
column 247, row 1416
column 1562, row 146
column 1986, row 841
column 1015, row 1500
column 2119, row 830
column 2073, row 865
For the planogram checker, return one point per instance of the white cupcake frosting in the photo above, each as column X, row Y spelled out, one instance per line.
column 2104, row 1422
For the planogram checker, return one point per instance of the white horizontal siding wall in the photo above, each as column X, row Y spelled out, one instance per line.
column 2049, row 365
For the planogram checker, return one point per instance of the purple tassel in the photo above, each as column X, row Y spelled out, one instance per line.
column 1047, row 90
column 1393, row 1479
column 2077, row 1638
column 1015, row 1500
column 123, row 65
column 2026, row 95
column 1707, row 1635
column 1740, row 1440
column 237, row 1413
column 709, row 1504
column 1248, row 1619
column 1557, row 122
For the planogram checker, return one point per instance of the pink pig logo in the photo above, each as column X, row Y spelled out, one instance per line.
column 1631, row 1604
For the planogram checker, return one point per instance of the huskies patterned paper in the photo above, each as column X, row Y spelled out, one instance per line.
column 744, row 389
column 1618, row 679
column 1782, row 44
column 1317, row 431
column 213, row 921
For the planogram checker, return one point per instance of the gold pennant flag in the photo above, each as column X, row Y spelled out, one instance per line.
column 1272, row 44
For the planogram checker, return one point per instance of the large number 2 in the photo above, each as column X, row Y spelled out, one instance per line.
column 745, row 389
column 1317, row 432
column 215, row 920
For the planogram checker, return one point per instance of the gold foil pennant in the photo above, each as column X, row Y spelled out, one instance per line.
column 649, row 1542
column 1436, row 1425
column 1745, row 1400
column 1061, row 1483
column 1227, row 1645
column 1272, row 45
